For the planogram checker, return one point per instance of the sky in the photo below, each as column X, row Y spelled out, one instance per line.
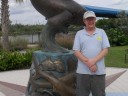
column 26, row 14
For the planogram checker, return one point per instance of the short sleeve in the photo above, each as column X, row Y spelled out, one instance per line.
column 105, row 41
column 76, row 45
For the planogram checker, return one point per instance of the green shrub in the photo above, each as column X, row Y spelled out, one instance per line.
column 15, row 60
column 117, row 37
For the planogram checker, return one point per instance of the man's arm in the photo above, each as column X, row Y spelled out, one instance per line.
column 84, row 59
column 81, row 57
column 102, row 54
column 93, row 61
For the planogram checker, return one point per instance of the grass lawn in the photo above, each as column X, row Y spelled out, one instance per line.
column 115, row 57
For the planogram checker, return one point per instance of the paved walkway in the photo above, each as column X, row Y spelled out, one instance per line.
column 13, row 83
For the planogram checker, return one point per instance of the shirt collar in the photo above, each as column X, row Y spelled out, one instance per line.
column 88, row 33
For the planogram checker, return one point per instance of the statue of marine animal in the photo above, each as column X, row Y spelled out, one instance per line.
column 59, row 14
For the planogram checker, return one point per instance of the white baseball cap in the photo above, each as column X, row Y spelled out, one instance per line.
column 89, row 14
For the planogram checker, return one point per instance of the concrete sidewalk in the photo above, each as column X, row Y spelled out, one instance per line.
column 120, row 86
column 13, row 83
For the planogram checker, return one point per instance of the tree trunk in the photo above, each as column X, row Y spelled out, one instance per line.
column 5, row 24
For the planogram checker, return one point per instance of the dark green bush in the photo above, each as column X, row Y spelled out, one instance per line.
column 117, row 37
column 15, row 60
column 116, row 32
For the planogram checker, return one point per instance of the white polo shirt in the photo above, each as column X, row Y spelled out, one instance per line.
column 91, row 46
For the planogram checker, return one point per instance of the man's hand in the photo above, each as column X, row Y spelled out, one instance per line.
column 93, row 68
column 91, row 63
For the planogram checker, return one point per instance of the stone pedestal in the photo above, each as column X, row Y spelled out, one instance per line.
column 52, row 74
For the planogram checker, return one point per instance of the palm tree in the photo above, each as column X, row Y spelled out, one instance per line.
column 0, row 20
column 19, row 1
column 5, row 22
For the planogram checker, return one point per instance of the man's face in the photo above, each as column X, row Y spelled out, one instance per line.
column 90, row 22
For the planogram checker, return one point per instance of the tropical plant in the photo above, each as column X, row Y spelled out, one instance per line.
column 123, row 22
column 5, row 23
column 116, row 29
column 19, row 1
column 15, row 60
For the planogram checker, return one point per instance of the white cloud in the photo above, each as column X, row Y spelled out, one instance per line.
column 117, row 1
column 121, row 4
column 117, row 4
column 100, row 3
column 25, row 14
column 11, row 4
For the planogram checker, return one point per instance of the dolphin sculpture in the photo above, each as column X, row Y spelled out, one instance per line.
column 59, row 14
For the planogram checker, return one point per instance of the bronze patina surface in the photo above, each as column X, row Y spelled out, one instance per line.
column 52, row 74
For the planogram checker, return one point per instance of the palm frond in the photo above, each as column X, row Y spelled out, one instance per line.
column 19, row 1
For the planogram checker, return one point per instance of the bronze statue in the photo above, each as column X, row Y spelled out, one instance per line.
column 53, row 69
column 59, row 14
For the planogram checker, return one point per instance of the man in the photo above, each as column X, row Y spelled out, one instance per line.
column 90, row 47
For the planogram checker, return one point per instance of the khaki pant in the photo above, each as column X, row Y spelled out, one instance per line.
column 87, row 84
